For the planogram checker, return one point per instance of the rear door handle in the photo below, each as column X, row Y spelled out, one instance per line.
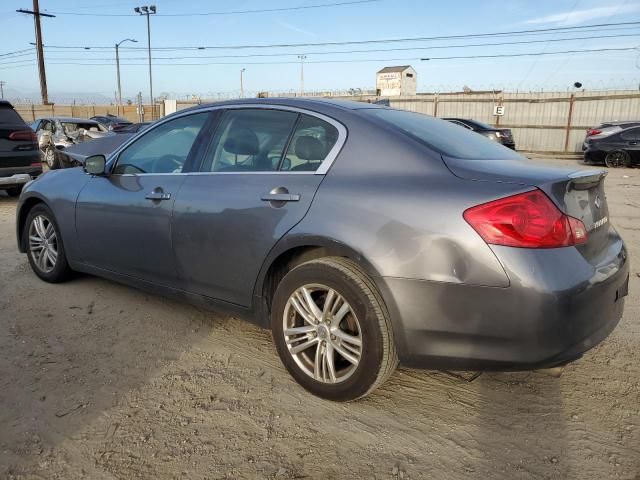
column 156, row 195
column 281, row 197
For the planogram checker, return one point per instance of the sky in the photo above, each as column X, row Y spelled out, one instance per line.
column 72, row 72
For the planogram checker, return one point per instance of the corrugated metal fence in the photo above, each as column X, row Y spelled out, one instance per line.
column 31, row 112
column 540, row 121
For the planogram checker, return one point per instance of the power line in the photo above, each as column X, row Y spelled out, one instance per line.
column 453, row 57
column 233, row 12
column 17, row 51
column 329, row 52
column 364, row 42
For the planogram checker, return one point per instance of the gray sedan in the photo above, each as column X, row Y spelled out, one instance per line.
column 361, row 235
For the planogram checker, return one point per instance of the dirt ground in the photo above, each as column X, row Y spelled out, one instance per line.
column 101, row 381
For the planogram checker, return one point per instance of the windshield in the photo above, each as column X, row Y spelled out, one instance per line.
column 444, row 137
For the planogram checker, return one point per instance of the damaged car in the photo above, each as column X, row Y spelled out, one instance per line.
column 55, row 134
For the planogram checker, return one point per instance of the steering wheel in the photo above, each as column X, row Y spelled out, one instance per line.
column 168, row 163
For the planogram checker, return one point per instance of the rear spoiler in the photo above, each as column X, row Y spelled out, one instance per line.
column 585, row 179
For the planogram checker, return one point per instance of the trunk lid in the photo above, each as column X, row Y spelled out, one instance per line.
column 577, row 193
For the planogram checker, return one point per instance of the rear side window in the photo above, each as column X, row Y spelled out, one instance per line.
column 250, row 140
column 311, row 143
column 9, row 115
column 443, row 136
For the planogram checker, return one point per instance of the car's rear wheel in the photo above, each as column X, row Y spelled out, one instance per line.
column 44, row 245
column 332, row 330
column 617, row 159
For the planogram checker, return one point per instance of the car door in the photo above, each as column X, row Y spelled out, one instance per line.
column 257, row 180
column 123, row 219
column 631, row 143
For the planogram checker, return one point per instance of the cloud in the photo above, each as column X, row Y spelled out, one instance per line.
column 296, row 29
column 580, row 16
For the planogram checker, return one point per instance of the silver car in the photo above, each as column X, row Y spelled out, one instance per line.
column 361, row 235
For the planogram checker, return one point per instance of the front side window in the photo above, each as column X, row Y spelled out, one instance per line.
column 311, row 143
column 632, row 134
column 164, row 149
column 250, row 140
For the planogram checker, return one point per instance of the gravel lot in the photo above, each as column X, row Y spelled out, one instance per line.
column 101, row 381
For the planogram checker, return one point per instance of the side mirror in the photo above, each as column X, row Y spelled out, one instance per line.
column 95, row 165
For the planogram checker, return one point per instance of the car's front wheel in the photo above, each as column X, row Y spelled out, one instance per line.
column 617, row 159
column 44, row 245
column 51, row 158
column 332, row 330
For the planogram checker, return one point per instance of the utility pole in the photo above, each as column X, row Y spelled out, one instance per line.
column 118, row 66
column 242, row 83
column 36, row 19
column 302, row 57
column 150, row 10
column 2, row 84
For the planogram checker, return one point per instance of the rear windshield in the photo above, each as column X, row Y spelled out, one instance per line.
column 9, row 115
column 444, row 137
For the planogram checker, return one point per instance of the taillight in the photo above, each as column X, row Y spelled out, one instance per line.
column 593, row 131
column 526, row 220
column 24, row 135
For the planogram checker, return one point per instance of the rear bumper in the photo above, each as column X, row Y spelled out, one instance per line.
column 557, row 307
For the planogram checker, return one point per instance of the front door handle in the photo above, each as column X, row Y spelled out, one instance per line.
column 158, row 195
column 281, row 197
column 633, row 143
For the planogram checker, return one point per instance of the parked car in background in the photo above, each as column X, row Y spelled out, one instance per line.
column 617, row 149
column 323, row 220
column 57, row 133
column 111, row 122
column 19, row 156
column 500, row 135
column 133, row 128
column 608, row 128
column 75, row 155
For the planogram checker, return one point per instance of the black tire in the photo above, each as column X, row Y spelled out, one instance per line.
column 617, row 159
column 61, row 270
column 14, row 191
column 377, row 357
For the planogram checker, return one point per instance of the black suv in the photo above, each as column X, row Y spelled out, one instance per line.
column 19, row 155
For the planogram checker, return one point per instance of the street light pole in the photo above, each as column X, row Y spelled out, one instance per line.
column 148, row 10
column 302, row 57
column 118, row 67
column 242, row 83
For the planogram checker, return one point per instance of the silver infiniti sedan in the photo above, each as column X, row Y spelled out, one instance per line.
column 362, row 236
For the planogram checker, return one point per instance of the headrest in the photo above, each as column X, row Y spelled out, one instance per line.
column 242, row 142
column 309, row 148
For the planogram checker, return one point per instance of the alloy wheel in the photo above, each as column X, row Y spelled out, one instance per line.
column 322, row 333
column 616, row 159
column 43, row 243
column 50, row 157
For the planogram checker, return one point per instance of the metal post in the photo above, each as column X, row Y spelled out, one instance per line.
column 118, row 71
column 302, row 57
column 572, row 99
column 2, row 83
column 150, row 78
column 241, row 83
column 118, row 66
